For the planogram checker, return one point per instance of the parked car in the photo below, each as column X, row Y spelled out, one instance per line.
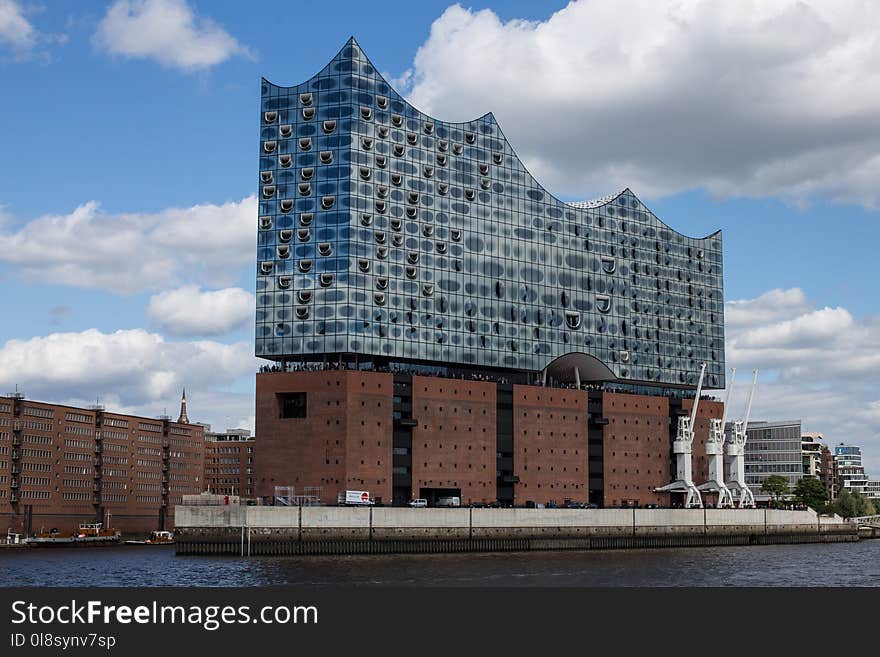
column 418, row 503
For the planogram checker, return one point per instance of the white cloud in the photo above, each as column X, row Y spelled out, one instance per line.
column 769, row 98
column 15, row 30
column 167, row 31
column 130, row 253
column 137, row 367
column 190, row 311
column 818, row 365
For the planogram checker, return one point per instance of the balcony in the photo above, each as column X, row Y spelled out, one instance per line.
column 16, row 441
column 97, row 461
column 14, row 483
column 96, row 500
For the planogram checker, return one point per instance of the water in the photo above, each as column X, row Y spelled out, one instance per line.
column 836, row 564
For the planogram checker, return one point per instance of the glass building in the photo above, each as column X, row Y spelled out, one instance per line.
column 849, row 470
column 773, row 448
column 389, row 236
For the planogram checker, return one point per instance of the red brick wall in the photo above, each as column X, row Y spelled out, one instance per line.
column 453, row 444
column 550, row 444
column 344, row 442
column 636, row 446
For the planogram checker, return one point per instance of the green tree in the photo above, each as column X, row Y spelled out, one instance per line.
column 810, row 492
column 775, row 485
column 851, row 505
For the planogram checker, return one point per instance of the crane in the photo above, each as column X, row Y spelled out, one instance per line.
column 682, row 447
column 715, row 452
column 736, row 448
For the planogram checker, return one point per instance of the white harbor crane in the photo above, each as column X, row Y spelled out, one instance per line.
column 715, row 452
column 736, row 448
column 682, row 447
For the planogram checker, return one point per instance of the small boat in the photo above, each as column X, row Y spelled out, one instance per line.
column 51, row 537
column 95, row 532
column 155, row 538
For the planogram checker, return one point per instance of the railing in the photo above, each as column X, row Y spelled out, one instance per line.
column 871, row 521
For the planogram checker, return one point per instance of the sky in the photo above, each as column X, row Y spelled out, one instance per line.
column 129, row 137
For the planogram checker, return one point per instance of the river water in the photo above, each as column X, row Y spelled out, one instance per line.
column 836, row 564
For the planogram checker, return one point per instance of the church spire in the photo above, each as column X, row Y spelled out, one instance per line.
column 183, row 419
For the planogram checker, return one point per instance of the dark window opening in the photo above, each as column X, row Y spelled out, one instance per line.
column 292, row 404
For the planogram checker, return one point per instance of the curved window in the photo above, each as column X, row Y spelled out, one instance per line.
column 285, row 235
column 379, row 236
column 286, row 205
column 608, row 265
column 327, row 202
column 284, row 282
column 572, row 319
column 411, row 212
column 284, row 161
column 396, row 179
column 497, row 158
column 429, row 128
column 427, row 289
column 326, row 157
column 485, row 183
column 427, row 230
column 381, row 206
column 366, row 113
column 442, row 145
column 412, row 138
column 304, row 189
column 265, row 222
column 364, row 265
column 270, row 117
column 455, row 234
column 285, row 130
column 603, row 303
column 382, row 131
column 328, row 126
column 382, row 102
column 382, row 191
column 395, row 223
column 366, row 219
column 441, row 247
column 269, row 146
column 268, row 191
column 413, row 197
column 382, row 162
column 457, row 148
column 469, row 194
column 283, row 251
column 470, row 137
column 412, row 257
column 325, row 249
column 308, row 113
column 304, row 296
column 441, row 159
column 326, row 280
column 305, row 266
column 367, row 143
column 398, row 150
column 305, row 143
column 302, row 312
column 428, row 171
column 365, row 173
column 303, row 234
column 382, row 283
column 306, row 98
column 266, row 177
column 306, row 218
column 397, row 239
column 396, row 120
column 267, row 267
column 624, row 356
column 411, row 272
column 484, row 168
column 442, row 188
column 379, row 298
column 307, row 173
column 381, row 252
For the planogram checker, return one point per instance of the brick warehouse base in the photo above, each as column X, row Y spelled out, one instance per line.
column 401, row 437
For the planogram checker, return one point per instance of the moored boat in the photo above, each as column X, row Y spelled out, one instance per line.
column 95, row 532
column 155, row 538
column 50, row 537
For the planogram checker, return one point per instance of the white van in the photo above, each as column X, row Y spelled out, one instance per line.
column 448, row 501
column 418, row 503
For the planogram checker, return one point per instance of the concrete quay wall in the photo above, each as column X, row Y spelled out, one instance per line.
column 306, row 530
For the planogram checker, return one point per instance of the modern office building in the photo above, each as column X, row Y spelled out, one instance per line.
column 441, row 323
column 811, row 451
column 872, row 490
column 849, row 472
column 773, row 448
column 63, row 465
column 229, row 462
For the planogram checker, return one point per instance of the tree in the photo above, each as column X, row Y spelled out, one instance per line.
column 810, row 492
column 846, row 504
column 775, row 485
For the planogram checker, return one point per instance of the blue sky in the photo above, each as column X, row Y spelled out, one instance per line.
column 138, row 121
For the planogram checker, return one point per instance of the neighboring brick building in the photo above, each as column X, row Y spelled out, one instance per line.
column 229, row 462
column 62, row 465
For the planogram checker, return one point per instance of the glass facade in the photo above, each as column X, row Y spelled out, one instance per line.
column 773, row 448
column 387, row 233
